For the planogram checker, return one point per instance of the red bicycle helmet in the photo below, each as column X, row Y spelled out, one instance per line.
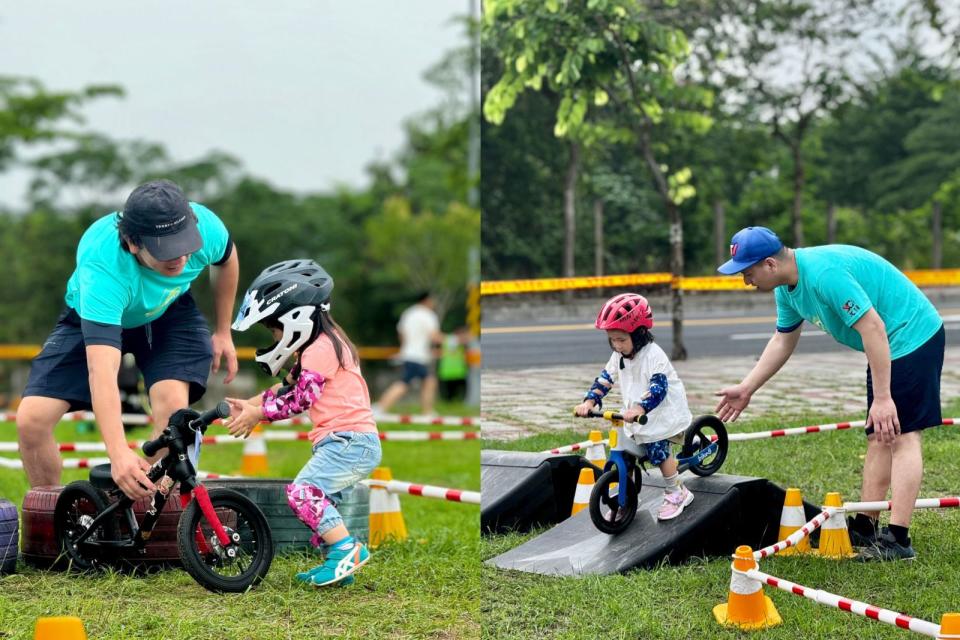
column 627, row 312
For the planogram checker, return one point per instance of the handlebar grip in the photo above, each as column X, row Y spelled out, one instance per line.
column 150, row 447
column 614, row 416
column 222, row 410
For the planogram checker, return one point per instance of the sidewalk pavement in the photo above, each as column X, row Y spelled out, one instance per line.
column 517, row 403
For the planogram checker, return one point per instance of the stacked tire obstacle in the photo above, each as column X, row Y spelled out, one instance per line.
column 9, row 534
column 40, row 548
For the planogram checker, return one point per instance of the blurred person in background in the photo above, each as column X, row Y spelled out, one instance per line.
column 419, row 330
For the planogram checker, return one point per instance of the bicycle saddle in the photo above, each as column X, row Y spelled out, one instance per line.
column 101, row 478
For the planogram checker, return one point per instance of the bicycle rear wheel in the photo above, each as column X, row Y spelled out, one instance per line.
column 703, row 432
column 77, row 507
column 244, row 562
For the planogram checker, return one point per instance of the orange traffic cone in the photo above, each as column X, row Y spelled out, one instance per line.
column 791, row 519
column 746, row 606
column 386, row 521
column 595, row 454
column 581, row 499
column 59, row 628
column 254, row 461
column 949, row 626
column 834, row 537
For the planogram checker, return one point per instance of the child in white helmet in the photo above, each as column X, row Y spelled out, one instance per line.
column 649, row 385
column 292, row 299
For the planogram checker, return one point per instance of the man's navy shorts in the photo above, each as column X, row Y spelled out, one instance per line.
column 414, row 371
column 175, row 346
column 915, row 385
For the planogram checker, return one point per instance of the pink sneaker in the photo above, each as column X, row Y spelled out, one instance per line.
column 673, row 504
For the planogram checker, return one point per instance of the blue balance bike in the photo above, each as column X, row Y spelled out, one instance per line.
column 614, row 499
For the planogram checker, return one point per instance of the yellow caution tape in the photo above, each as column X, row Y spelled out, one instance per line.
column 920, row 277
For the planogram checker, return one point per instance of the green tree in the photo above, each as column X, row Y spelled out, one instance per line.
column 423, row 250
column 613, row 57
column 30, row 114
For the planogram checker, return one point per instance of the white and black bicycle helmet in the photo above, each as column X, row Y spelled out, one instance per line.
column 289, row 295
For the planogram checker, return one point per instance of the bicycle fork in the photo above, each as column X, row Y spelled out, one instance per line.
column 199, row 492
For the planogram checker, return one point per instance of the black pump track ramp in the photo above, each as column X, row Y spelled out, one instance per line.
column 727, row 511
column 521, row 490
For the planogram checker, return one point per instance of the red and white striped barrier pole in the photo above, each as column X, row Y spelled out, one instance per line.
column 886, row 505
column 844, row 604
column 425, row 490
column 450, row 421
column 816, row 428
column 139, row 418
column 798, row 535
column 85, row 416
column 70, row 463
column 391, row 436
column 757, row 435
column 812, row 525
column 570, row 448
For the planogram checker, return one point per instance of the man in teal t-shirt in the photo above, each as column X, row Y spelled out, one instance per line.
column 866, row 303
column 130, row 293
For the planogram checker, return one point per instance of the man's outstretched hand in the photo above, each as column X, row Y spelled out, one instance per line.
column 733, row 400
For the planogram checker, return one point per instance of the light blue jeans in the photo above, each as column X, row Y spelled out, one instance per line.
column 339, row 461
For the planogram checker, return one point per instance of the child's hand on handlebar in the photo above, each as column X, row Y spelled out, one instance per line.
column 584, row 408
column 633, row 413
column 244, row 416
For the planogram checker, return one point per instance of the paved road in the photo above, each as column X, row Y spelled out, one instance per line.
column 529, row 344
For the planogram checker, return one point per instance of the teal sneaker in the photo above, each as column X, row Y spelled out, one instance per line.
column 307, row 576
column 339, row 565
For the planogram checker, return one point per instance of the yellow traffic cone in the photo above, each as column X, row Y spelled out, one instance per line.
column 581, row 499
column 791, row 519
column 834, row 537
column 949, row 626
column 386, row 521
column 59, row 628
column 254, row 461
column 595, row 454
column 746, row 606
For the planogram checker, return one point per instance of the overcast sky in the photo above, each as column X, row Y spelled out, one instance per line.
column 305, row 93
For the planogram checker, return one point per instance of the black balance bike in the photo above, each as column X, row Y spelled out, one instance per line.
column 614, row 498
column 223, row 537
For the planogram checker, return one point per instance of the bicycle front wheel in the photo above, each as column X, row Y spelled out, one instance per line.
column 244, row 561
column 605, row 510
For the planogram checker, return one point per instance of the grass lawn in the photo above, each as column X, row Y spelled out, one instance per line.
column 677, row 601
column 426, row 588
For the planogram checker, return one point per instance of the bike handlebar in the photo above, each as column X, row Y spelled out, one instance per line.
column 222, row 410
column 611, row 415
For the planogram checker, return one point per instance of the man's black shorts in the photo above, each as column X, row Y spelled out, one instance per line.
column 915, row 385
column 175, row 346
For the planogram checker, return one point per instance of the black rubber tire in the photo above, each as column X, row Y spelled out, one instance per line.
column 600, row 497
column 289, row 533
column 39, row 544
column 9, row 537
column 79, row 501
column 700, row 430
column 256, row 542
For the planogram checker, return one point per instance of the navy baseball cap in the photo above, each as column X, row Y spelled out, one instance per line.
column 748, row 247
column 161, row 216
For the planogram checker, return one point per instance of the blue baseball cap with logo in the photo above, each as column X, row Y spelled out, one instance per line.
column 748, row 247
